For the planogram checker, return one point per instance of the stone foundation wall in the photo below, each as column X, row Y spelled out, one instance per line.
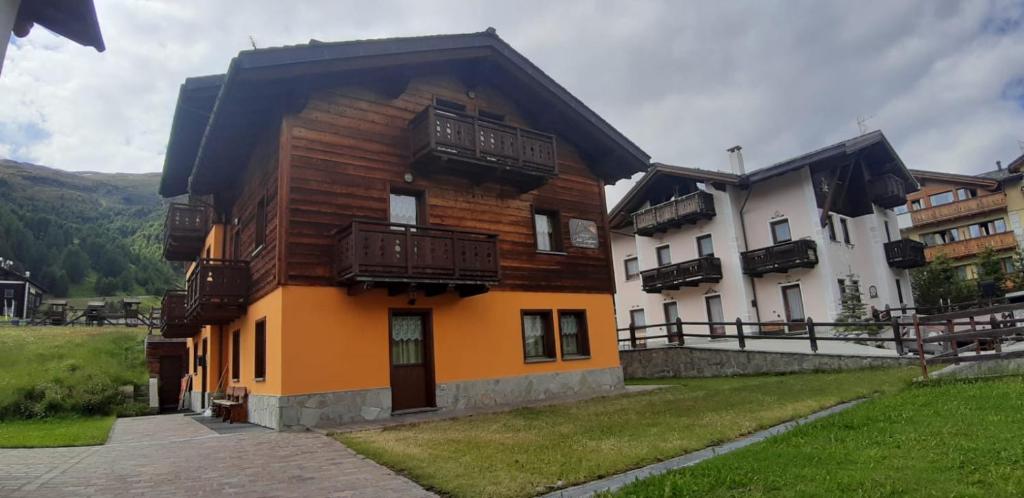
column 697, row 362
column 338, row 408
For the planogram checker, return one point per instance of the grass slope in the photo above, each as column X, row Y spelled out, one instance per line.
column 948, row 439
column 73, row 366
column 531, row 450
column 55, row 432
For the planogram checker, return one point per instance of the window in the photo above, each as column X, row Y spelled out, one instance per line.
column 963, row 194
column 671, row 315
column 195, row 357
column 830, row 224
column 846, row 230
column 713, row 305
column 260, row 359
column 941, row 198
column 888, row 233
column 997, row 226
column 901, row 209
column 639, row 321
column 780, row 231
column 664, row 255
column 538, row 336
column 842, row 288
column 547, row 230
column 572, row 328
column 236, row 355
column 793, row 302
column 493, row 116
column 261, row 224
column 449, row 105
column 632, row 269
column 899, row 290
column 705, row 246
column 8, row 293
column 964, row 272
column 915, row 205
column 1007, row 264
column 236, row 243
column 405, row 208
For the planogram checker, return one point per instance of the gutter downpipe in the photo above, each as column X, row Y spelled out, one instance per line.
column 743, row 230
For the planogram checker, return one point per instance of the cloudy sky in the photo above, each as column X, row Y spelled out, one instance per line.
column 684, row 80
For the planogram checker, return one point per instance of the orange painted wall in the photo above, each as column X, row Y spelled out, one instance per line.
column 268, row 307
column 335, row 342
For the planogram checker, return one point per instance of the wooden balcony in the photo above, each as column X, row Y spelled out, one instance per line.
column 905, row 253
column 482, row 150
column 971, row 247
column 217, row 291
column 780, row 258
column 680, row 211
column 174, row 322
column 887, row 191
column 690, row 273
column 402, row 257
column 959, row 209
column 185, row 231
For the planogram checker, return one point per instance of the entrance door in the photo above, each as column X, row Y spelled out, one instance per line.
column 412, row 360
column 170, row 381
column 715, row 314
column 206, row 368
column 794, row 304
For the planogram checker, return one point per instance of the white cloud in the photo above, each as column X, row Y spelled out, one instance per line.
column 683, row 80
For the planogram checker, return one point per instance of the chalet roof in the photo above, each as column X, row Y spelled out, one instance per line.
column 218, row 118
column 10, row 274
column 873, row 142
column 983, row 181
column 72, row 19
column 1016, row 165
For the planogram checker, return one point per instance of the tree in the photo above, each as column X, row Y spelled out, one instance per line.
column 1016, row 276
column 76, row 263
column 853, row 308
column 937, row 283
column 105, row 286
column 990, row 272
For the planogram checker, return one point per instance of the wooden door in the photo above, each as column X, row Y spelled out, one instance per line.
column 715, row 314
column 412, row 360
column 794, row 304
column 170, row 382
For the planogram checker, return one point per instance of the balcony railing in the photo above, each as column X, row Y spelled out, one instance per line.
column 371, row 252
column 780, row 258
column 672, row 214
column 971, row 247
column 174, row 322
column 959, row 209
column 185, row 231
column 905, row 253
column 686, row 274
column 887, row 191
column 482, row 149
column 217, row 290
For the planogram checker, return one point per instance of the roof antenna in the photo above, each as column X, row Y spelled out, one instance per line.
column 252, row 41
column 862, row 123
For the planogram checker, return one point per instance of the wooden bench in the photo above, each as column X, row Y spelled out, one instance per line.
column 233, row 406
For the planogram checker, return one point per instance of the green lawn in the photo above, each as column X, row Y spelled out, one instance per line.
column 59, row 385
column 946, row 439
column 531, row 450
column 57, row 431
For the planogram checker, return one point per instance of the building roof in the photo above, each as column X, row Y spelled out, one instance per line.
column 11, row 274
column 218, row 117
column 73, row 19
column 983, row 180
column 1016, row 165
column 874, row 141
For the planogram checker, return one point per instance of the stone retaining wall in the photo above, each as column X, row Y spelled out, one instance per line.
column 698, row 362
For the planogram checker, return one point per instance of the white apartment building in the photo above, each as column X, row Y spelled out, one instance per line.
column 774, row 245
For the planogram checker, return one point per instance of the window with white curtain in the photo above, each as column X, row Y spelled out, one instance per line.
column 572, row 326
column 537, row 340
column 406, row 340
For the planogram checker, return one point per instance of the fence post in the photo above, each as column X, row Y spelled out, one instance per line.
column 977, row 341
column 739, row 334
column 679, row 330
column 897, row 336
column 953, row 348
column 632, row 335
column 810, row 335
column 996, row 325
column 920, row 347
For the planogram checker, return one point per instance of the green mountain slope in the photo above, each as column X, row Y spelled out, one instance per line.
column 83, row 229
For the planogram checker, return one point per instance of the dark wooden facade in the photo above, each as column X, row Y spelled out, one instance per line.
column 20, row 297
column 167, row 361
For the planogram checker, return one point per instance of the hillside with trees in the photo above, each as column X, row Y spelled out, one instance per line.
column 85, row 233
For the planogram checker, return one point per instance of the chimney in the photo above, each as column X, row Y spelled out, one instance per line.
column 999, row 165
column 736, row 159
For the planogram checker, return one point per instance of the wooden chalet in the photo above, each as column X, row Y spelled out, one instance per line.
column 387, row 225
column 20, row 296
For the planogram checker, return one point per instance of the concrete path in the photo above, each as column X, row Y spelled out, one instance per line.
column 174, row 455
column 615, row 482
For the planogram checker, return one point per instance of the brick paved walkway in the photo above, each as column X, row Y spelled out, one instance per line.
column 173, row 455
